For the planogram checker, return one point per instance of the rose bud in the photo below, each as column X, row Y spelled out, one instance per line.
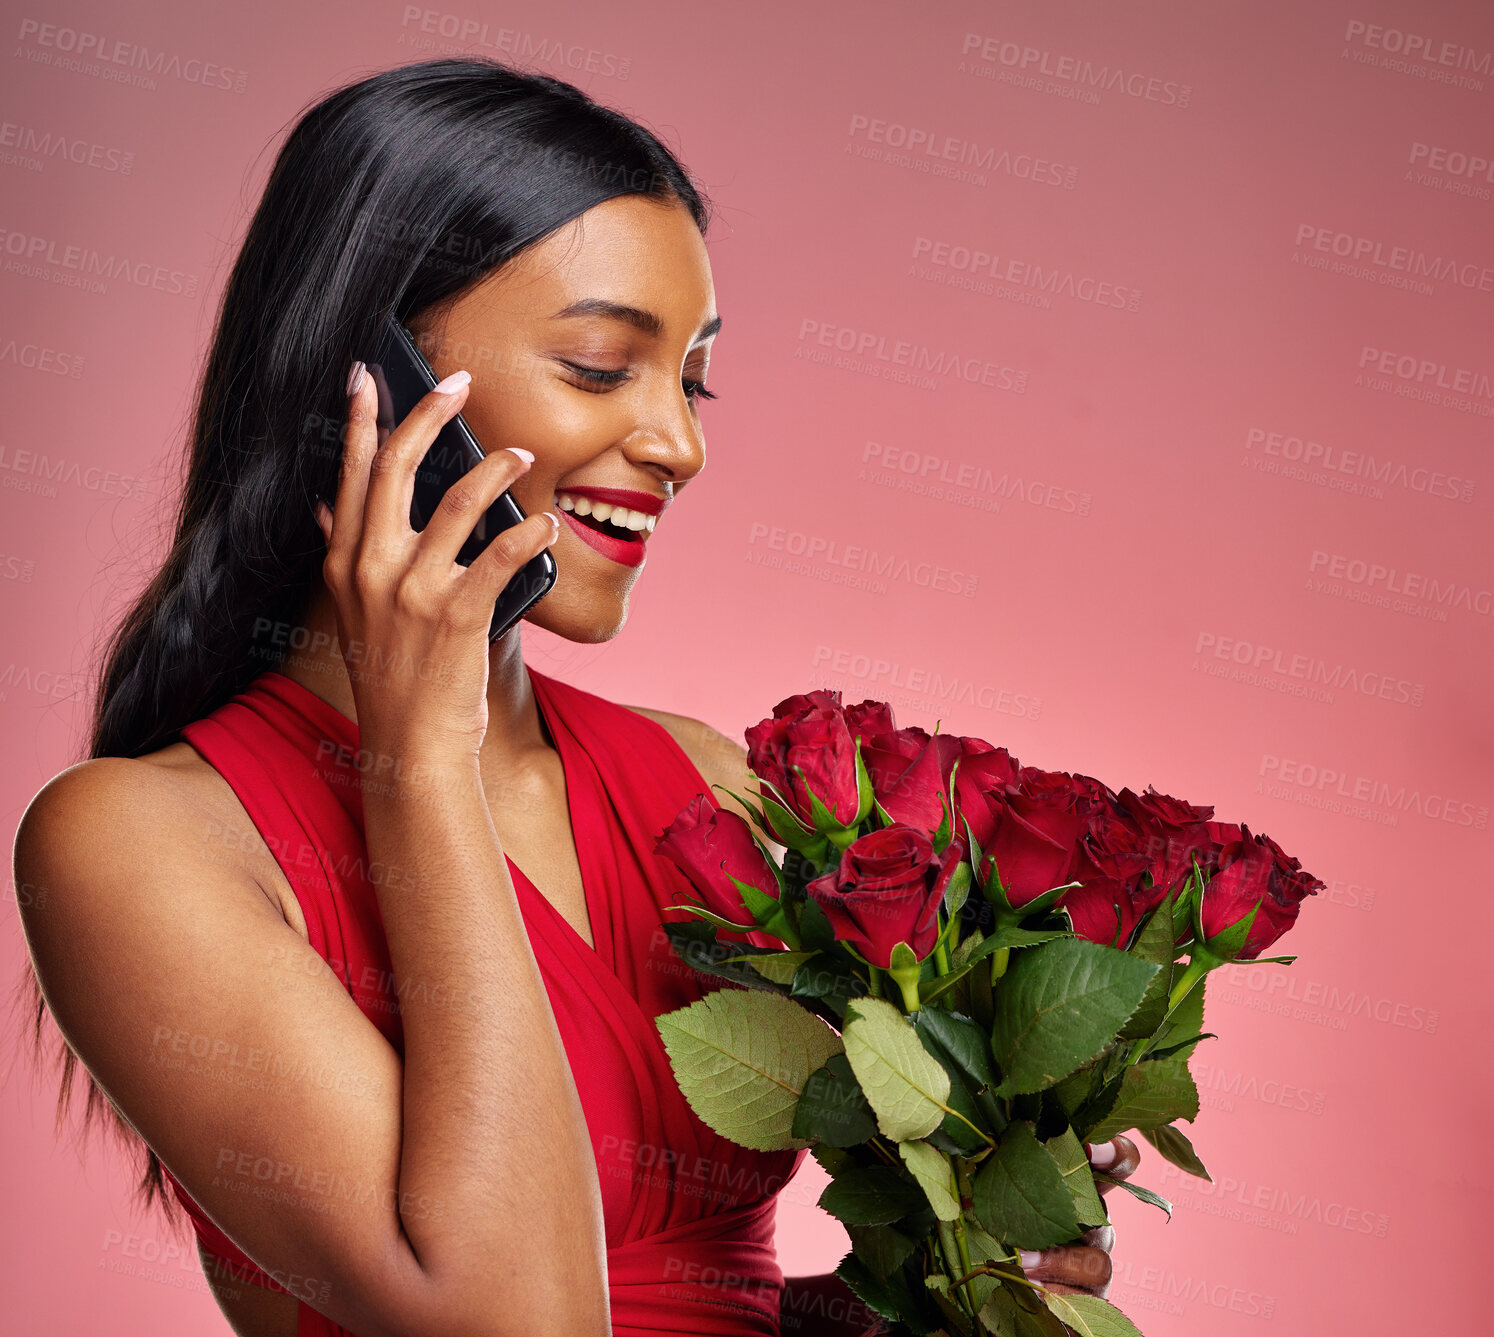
column 808, row 732
column 1255, row 870
column 711, row 845
column 888, row 889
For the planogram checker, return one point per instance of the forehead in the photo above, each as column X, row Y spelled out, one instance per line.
column 631, row 249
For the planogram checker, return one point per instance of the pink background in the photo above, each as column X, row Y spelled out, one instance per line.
column 1188, row 536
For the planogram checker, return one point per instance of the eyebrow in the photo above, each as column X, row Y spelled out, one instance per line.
column 636, row 316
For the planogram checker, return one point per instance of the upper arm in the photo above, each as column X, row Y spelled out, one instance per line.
column 222, row 1037
column 719, row 759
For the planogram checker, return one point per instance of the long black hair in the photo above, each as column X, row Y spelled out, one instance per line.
column 390, row 196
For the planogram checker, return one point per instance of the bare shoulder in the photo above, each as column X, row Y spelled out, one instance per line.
column 108, row 813
column 721, row 760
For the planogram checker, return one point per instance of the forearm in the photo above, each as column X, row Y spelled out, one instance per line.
column 497, row 1177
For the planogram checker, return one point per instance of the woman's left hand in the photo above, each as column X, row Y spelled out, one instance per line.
column 1085, row 1268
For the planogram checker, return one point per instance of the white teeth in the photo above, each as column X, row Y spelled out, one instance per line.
column 620, row 516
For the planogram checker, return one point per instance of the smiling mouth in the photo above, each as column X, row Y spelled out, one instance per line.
column 616, row 522
column 616, row 532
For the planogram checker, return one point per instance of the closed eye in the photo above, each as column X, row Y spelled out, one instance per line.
column 602, row 379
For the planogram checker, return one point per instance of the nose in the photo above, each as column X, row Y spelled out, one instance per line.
column 668, row 438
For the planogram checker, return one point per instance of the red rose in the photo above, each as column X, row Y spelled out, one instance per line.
column 808, row 731
column 1112, row 867
column 708, row 843
column 1040, row 822
column 1176, row 831
column 887, row 889
column 1254, row 870
column 869, row 717
column 910, row 770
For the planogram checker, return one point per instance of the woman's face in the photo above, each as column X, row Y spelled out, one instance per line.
column 602, row 401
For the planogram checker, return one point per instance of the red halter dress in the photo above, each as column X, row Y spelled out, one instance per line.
column 689, row 1215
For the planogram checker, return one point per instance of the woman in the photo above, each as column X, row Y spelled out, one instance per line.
column 399, row 1085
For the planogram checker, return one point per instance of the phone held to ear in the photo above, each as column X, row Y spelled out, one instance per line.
column 404, row 377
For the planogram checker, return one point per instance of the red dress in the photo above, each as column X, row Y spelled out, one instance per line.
column 689, row 1215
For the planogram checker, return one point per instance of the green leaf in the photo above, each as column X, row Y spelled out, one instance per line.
column 1156, row 1055
column 871, row 1195
column 1012, row 1312
column 907, row 1088
column 696, row 945
column 780, row 967
column 1090, row 1316
column 883, row 1249
column 832, row 1108
column 1058, row 1005
column 1174, row 1146
column 1151, row 1094
column 1155, row 944
column 867, row 1288
column 930, row 1167
column 962, row 1040
column 742, row 1060
column 1068, row 1154
column 1021, row 1197
column 930, row 989
column 1137, row 1191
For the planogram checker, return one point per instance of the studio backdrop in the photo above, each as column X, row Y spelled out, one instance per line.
column 1114, row 383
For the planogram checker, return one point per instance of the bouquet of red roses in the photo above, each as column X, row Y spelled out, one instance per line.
column 962, row 971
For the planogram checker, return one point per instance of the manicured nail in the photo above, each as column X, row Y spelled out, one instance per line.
column 554, row 533
column 525, row 455
column 452, row 383
column 355, row 378
column 1029, row 1259
column 1104, row 1154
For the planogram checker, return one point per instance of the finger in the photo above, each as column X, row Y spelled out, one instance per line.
column 1078, row 1265
column 359, row 443
column 1118, row 1158
column 391, row 483
column 465, row 503
column 491, row 570
column 323, row 519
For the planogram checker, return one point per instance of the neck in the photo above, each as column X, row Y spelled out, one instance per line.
column 514, row 725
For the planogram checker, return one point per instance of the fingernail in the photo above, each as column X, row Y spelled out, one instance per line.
column 356, row 374
column 1104, row 1154
column 452, row 383
column 525, row 455
column 554, row 533
column 1029, row 1259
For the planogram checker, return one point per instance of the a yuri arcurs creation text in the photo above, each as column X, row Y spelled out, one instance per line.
column 962, row 971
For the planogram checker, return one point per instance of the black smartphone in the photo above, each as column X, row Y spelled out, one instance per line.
column 404, row 377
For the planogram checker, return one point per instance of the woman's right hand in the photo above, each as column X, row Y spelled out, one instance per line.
column 411, row 621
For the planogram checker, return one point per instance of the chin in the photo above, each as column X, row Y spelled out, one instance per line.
column 587, row 618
